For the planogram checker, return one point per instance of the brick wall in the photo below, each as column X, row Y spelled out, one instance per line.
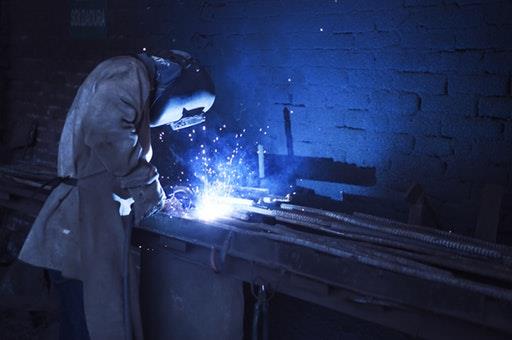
column 48, row 65
column 3, row 62
column 420, row 90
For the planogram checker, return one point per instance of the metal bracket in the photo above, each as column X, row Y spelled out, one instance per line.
column 217, row 261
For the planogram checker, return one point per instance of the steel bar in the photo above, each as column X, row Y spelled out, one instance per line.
column 303, row 240
column 459, row 245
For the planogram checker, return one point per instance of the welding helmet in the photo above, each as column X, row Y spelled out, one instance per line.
column 183, row 92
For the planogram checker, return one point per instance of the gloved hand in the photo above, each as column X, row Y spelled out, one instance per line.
column 173, row 206
column 179, row 202
column 148, row 200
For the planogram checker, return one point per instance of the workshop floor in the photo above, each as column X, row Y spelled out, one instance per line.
column 23, row 316
column 294, row 319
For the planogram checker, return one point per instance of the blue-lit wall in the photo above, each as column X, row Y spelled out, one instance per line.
column 420, row 90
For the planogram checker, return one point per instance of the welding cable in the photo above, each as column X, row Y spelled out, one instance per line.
column 470, row 249
column 260, row 316
column 484, row 289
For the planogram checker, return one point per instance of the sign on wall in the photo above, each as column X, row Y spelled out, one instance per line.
column 88, row 19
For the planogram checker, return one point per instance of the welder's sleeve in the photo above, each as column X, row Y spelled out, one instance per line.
column 116, row 107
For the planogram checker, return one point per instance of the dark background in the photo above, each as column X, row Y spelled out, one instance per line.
column 419, row 90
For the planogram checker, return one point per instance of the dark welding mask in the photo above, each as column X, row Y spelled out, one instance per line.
column 190, row 118
column 183, row 91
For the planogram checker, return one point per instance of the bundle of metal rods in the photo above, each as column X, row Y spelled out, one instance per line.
column 416, row 251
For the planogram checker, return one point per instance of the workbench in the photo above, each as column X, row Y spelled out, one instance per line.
column 420, row 281
column 287, row 262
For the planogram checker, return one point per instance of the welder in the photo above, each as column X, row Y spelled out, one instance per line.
column 107, row 185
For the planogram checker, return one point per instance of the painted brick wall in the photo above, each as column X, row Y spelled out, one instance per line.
column 3, row 61
column 420, row 90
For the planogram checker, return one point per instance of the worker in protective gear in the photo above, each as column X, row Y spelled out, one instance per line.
column 108, row 185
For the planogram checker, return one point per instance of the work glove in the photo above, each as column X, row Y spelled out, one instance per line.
column 179, row 201
column 148, row 199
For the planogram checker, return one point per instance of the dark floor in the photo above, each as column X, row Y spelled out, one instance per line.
column 27, row 310
column 294, row 319
column 33, row 315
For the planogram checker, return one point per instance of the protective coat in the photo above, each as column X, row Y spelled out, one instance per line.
column 105, row 145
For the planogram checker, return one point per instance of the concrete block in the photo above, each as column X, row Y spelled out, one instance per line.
column 450, row 190
column 417, row 60
column 317, row 115
column 421, row 124
column 329, row 58
column 389, row 80
column 392, row 20
column 402, row 143
column 496, row 62
column 486, row 85
column 362, row 22
column 495, row 151
column 438, row 39
column 313, row 40
column 444, row 17
column 484, row 37
column 370, row 120
column 381, row 7
column 347, row 99
column 433, row 146
column 318, row 132
column 324, row 76
column 495, row 107
column 404, row 103
column 422, row 3
column 458, row 105
column 467, row 129
column 376, row 40
column 471, row 2
column 498, row 13
column 310, row 149
column 419, row 82
column 370, row 79
column 417, row 168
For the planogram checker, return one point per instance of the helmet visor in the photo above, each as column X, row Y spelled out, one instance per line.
column 190, row 118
